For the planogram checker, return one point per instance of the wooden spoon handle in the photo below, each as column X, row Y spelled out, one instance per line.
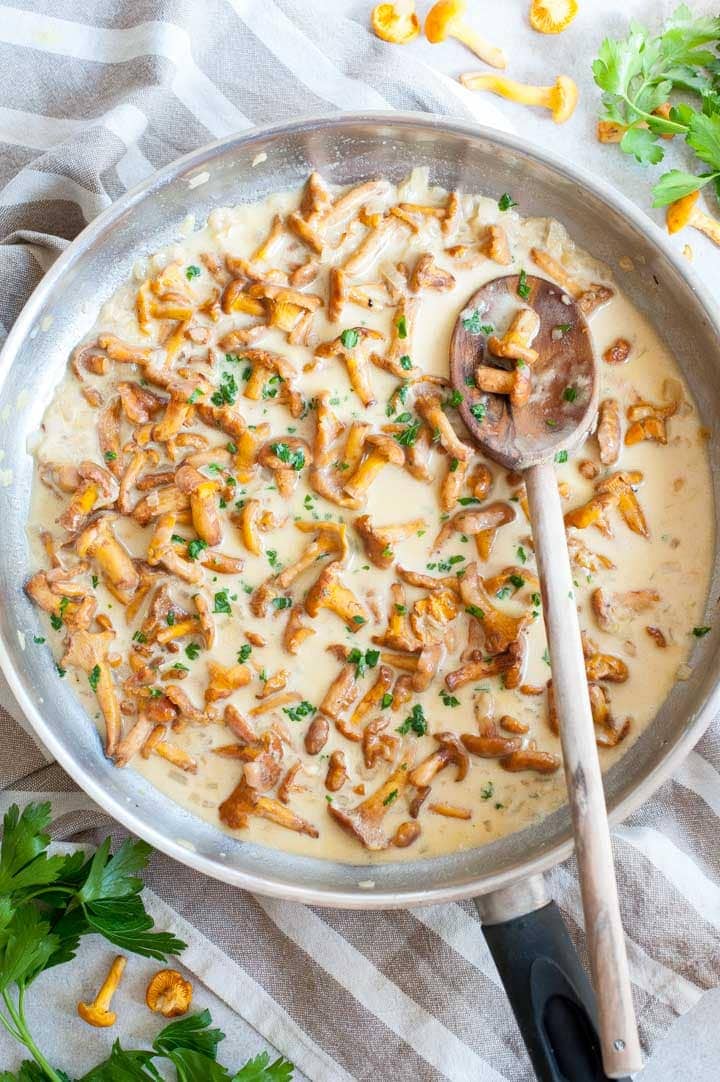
column 603, row 927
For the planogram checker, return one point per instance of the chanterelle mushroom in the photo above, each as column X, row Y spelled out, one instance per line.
column 560, row 98
column 364, row 821
column 89, row 651
column 445, row 20
column 685, row 212
column 382, row 451
column 99, row 542
column 393, row 23
column 451, row 750
column 328, row 592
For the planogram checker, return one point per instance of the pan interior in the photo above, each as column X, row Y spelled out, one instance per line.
column 245, row 169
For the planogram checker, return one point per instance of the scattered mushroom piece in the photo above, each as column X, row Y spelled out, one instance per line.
column 428, row 275
column 445, row 20
column 378, row 540
column 97, row 488
column 98, row 1012
column 478, row 523
column 609, row 431
column 168, row 993
column 518, row 338
column 100, row 544
column 685, row 212
column 552, row 16
column 353, row 354
column 377, row 745
column 225, row 679
column 364, row 821
column 621, row 488
column 560, row 98
column 89, row 651
column 296, row 632
column 430, row 408
column 243, row 802
column 161, row 550
column 394, row 24
column 381, row 451
column 451, row 750
column 203, row 503
column 612, row 609
column 618, row 352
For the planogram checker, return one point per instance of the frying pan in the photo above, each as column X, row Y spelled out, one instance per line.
column 548, row 989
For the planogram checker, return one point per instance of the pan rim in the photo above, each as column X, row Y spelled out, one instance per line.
column 357, row 898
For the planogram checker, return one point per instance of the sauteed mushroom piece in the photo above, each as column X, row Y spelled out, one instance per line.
column 364, row 821
column 89, row 651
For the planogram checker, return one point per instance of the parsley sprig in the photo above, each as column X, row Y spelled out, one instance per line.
column 47, row 904
column 639, row 73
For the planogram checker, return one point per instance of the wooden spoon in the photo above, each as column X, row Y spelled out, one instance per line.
column 555, row 420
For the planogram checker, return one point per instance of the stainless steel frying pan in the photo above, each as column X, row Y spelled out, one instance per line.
column 549, row 992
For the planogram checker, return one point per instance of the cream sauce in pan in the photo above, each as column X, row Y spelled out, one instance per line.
column 674, row 561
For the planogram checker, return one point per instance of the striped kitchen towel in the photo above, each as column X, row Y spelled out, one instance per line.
column 95, row 95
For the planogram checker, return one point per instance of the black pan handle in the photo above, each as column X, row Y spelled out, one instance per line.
column 550, row 994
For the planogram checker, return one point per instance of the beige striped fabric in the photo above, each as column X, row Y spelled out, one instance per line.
column 95, row 95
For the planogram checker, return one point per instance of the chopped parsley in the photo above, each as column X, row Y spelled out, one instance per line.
column 195, row 548
column 281, row 603
column 465, row 501
column 273, row 559
column 415, row 722
column 170, row 619
column 448, row 699
column 517, row 581
column 409, row 434
column 94, row 677
column 561, row 456
column 401, row 325
column 487, row 791
column 546, row 656
column 272, row 387
column 39, row 639
column 473, row 325
column 506, row 201
column 197, row 393
column 393, row 795
column 231, row 448
column 570, row 394
column 244, row 653
column 350, row 338
column 521, row 554
column 386, row 701
column 95, row 581
column 302, row 710
column 536, row 600
column 294, row 459
column 454, row 463
column 359, row 620
column 405, row 362
column 563, row 328
column 476, row 611
column 192, row 272
column 551, row 422
column 110, row 456
column 60, row 671
column 700, row 632
column 523, row 288
column 192, row 650
column 478, row 410
column 454, row 399
column 55, row 621
column 222, row 602
column 363, row 662
column 226, row 393
column 139, row 636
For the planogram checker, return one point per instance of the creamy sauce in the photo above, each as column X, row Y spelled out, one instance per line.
column 675, row 560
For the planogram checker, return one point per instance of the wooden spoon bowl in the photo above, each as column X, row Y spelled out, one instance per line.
column 564, row 398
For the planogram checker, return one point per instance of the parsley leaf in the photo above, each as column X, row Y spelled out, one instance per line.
column 523, row 289
column 415, row 722
column 350, row 338
column 195, row 548
column 294, row 459
column 226, row 392
column 506, row 201
column 222, row 602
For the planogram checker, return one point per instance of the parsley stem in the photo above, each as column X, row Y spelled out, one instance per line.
column 668, row 125
column 22, row 1033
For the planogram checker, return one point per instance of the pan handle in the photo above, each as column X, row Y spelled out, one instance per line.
column 548, row 989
